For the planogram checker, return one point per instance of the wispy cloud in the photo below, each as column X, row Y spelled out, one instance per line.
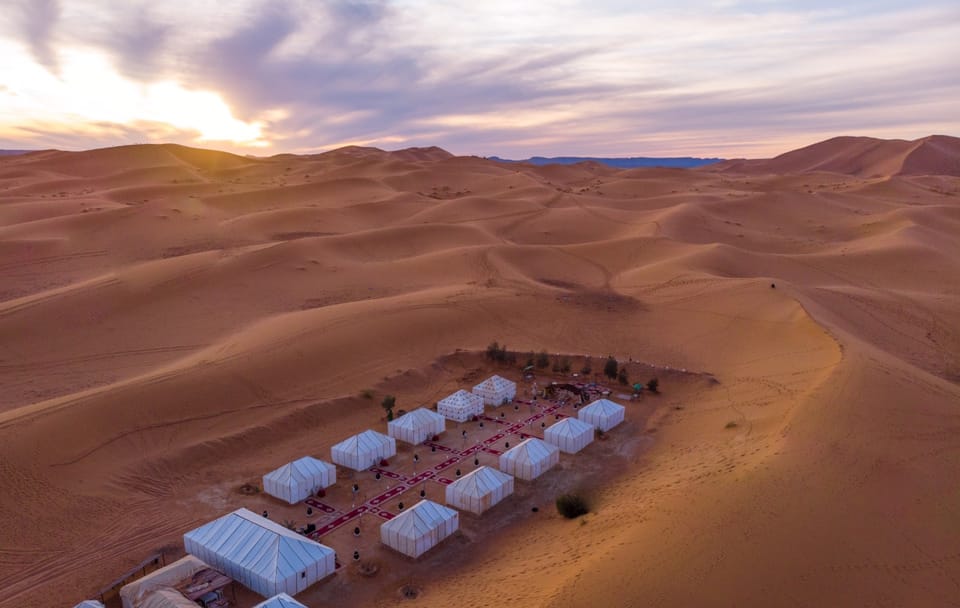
column 564, row 77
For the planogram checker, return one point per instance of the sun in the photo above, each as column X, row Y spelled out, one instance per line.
column 89, row 95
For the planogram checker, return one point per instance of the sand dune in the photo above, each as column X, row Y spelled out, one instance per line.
column 861, row 156
column 175, row 322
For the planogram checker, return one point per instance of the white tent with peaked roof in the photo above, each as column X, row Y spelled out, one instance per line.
column 460, row 406
column 570, row 435
column 423, row 526
column 479, row 490
column 260, row 554
column 89, row 604
column 417, row 426
column 603, row 414
column 364, row 450
column 529, row 459
column 299, row 479
column 496, row 390
column 281, row 600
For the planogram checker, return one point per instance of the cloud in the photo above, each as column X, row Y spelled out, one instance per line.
column 137, row 41
column 38, row 21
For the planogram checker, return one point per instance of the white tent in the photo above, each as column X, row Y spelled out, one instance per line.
column 496, row 390
column 299, row 479
column 417, row 530
column 133, row 594
column 280, row 601
column 362, row 451
column 603, row 414
column 570, row 435
column 89, row 604
column 529, row 459
column 260, row 554
column 417, row 426
column 460, row 406
column 479, row 490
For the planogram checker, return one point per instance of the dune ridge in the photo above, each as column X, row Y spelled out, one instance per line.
column 174, row 322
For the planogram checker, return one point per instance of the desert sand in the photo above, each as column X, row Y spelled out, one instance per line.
column 176, row 322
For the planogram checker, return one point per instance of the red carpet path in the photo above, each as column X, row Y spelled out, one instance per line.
column 405, row 483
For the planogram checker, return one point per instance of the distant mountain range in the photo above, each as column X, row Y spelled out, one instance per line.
column 682, row 162
column 13, row 152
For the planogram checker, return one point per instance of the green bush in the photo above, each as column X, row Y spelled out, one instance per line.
column 610, row 368
column 572, row 506
column 653, row 385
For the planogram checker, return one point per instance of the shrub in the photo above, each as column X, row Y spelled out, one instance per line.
column 366, row 393
column 653, row 385
column 610, row 368
column 498, row 353
column 732, row 424
column 543, row 359
column 572, row 506
column 387, row 404
column 585, row 370
column 622, row 377
column 565, row 365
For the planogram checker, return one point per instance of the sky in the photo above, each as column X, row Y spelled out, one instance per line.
column 721, row 78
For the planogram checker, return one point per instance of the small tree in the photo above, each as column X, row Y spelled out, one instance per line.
column 622, row 376
column 543, row 359
column 572, row 506
column 493, row 351
column 565, row 365
column 610, row 368
column 653, row 385
column 387, row 404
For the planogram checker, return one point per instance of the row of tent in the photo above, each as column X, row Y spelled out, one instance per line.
column 271, row 559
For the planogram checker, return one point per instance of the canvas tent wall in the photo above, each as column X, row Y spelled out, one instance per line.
column 299, row 479
column 281, row 600
column 166, row 597
column 479, row 490
column 89, row 604
column 603, row 414
column 417, row 426
column 132, row 594
column 364, row 450
column 416, row 531
column 460, row 406
column 260, row 554
column 570, row 435
column 529, row 459
column 496, row 390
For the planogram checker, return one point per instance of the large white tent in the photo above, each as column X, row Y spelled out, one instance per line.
column 417, row 426
column 460, row 406
column 281, row 600
column 417, row 530
column 132, row 594
column 496, row 390
column 299, row 479
column 260, row 554
column 529, row 459
column 570, row 435
column 603, row 414
column 364, row 450
column 479, row 490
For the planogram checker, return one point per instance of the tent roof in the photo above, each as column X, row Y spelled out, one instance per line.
column 496, row 383
column 480, row 482
column 418, row 418
column 570, row 427
column 361, row 442
column 166, row 597
column 302, row 469
column 89, row 604
column 259, row 545
column 461, row 398
column 603, row 406
column 531, row 450
column 280, row 601
column 420, row 519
